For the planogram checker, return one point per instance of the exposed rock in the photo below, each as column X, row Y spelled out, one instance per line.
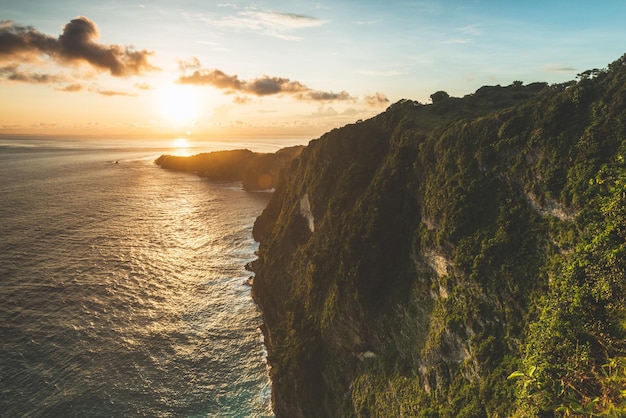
column 305, row 210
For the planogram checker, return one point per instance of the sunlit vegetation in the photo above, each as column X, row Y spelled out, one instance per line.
column 455, row 244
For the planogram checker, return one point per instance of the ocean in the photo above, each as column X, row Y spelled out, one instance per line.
column 122, row 285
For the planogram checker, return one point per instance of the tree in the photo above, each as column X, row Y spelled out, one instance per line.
column 439, row 96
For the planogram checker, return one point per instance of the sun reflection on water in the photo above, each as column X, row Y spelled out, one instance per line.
column 181, row 146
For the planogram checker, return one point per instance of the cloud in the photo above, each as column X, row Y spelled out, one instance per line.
column 474, row 30
column 23, row 42
column 241, row 100
column 77, row 44
column 324, row 112
column 285, row 21
column 559, row 68
column 143, row 86
column 270, row 23
column 262, row 86
column 14, row 73
column 191, row 64
column 377, row 99
column 329, row 112
column 470, row 32
column 325, row 96
column 72, row 88
column 110, row 93
column 215, row 78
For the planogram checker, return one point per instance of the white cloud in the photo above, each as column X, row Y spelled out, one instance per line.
column 473, row 30
column 270, row 23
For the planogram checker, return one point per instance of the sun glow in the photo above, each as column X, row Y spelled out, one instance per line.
column 179, row 104
column 181, row 143
column 181, row 147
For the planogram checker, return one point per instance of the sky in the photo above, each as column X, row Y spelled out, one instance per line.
column 276, row 68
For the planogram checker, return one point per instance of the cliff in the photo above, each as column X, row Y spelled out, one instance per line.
column 256, row 171
column 410, row 263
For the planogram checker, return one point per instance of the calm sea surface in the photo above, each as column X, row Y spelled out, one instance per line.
column 122, row 286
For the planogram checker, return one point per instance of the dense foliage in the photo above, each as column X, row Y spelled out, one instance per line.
column 409, row 264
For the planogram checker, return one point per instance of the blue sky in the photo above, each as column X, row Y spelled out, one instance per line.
column 295, row 67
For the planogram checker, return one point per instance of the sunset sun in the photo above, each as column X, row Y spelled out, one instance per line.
column 178, row 104
column 181, row 143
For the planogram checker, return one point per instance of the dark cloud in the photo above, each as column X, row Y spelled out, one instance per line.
column 78, row 43
column 215, row 78
column 262, row 86
column 14, row 73
column 22, row 41
column 265, row 86
column 377, row 99
column 325, row 96
column 35, row 78
column 8, row 70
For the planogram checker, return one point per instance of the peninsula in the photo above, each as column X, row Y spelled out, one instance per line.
column 256, row 171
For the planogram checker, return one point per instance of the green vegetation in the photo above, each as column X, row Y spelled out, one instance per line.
column 256, row 171
column 455, row 245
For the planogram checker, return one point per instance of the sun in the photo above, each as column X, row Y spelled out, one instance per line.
column 181, row 143
column 181, row 147
column 178, row 104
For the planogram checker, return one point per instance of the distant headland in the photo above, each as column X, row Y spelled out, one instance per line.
column 256, row 171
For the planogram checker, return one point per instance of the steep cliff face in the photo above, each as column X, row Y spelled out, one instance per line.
column 409, row 263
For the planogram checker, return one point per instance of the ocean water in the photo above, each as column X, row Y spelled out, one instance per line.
column 122, row 286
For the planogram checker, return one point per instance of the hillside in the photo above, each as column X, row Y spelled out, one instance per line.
column 410, row 263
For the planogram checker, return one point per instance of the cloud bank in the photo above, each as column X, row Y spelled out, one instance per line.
column 262, row 86
column 76, row 44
